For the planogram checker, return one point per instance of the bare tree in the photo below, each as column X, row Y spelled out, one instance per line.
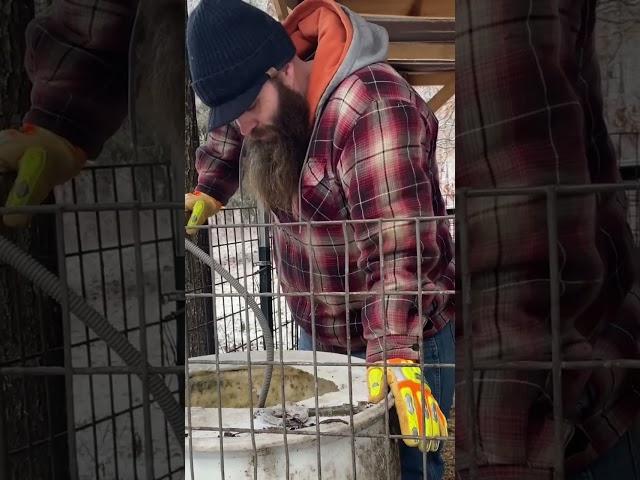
column 32, row 415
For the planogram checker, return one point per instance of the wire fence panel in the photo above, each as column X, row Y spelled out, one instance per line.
column 115, row 249
column 100, row 261
column 475, row 372
column 317, row 422
column 237, row 249
column 627, row 148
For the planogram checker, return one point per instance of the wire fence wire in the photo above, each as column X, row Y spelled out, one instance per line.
column 115, row 247
column 626, row 147
column 331, row 431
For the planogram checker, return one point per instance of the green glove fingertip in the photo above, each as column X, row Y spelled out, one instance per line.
column 196, row 214
column 32, row 165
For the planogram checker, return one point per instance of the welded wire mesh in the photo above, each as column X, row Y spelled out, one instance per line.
column 627, row 148
column 553, row 196
column 237, row 249
column 115, row 246
column 214, row 432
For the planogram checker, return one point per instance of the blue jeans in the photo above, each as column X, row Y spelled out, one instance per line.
column 438, row 349
column 622, row 461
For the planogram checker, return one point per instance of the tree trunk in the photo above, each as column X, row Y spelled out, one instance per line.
column 32, row 417
column 198, row 311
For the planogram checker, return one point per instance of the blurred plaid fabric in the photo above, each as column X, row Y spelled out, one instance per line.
column 529, row 113
column 76, row 58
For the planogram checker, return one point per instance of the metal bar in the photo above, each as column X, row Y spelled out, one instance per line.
column 308, row 433
column 4, row 461
column 345, row 239
column 62, row 207
column 50, row 425
column 314, row 349
column 559, row 189
column 284, row 402
column 556, row 353
column 249, row 366
column 37, row 443
column 105, row 306
column 163, row 349
column 25, row 400
column 421, row 340
column 252, row 274
column 140, row 292
column 326, row 223
column 217, row 364
column 264, row 257
column 125, row 320
column 564, row 365
column 385, row 322
column 310, row 364
column 307, row 294
column 68, row 357
column 465, row 275
column 189, row 420
column 87, row 332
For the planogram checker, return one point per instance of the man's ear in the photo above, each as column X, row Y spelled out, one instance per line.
column 287, row 74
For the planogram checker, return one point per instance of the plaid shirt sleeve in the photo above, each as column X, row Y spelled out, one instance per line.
column 76, row 58
column 387, row 171
column 528, row 83
column 217, row 163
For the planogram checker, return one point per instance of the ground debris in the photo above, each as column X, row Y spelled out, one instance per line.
column 294, row 416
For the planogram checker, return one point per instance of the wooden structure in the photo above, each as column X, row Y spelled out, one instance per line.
column 421, row 38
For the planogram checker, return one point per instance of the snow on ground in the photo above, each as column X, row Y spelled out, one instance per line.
column 101, row 266
column 236, row 249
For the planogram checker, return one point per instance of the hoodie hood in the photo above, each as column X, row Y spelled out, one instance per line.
column 340, row 42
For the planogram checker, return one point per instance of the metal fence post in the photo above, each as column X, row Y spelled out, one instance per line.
column 264, row 262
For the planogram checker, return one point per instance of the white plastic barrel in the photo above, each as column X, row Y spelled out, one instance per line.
column 265, row 456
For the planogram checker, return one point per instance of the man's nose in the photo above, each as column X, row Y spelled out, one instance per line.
column 246, row 124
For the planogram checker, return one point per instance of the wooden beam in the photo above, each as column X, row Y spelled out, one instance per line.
column 441, row 97
column 383, row 7
column 430, row 78
column 416, row 29
column 437, row 8
column 421, row 51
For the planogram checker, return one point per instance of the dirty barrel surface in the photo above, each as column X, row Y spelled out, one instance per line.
column 256, row 443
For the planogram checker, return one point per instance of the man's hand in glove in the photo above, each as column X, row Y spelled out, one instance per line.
column 42, row 160
column 409, row 391
column 201, row 206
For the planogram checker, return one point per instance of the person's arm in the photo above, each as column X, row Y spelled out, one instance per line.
column 76, row 58
column 387, row 170
column 217, row 163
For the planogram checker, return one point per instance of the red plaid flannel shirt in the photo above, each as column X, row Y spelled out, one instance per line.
column 76, row 57
column 372, row 156
column 530, row 114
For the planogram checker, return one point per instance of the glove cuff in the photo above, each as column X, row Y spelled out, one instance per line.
column 398, row 346
column 212, row 203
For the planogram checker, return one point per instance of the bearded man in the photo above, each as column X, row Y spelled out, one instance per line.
column 327, row 132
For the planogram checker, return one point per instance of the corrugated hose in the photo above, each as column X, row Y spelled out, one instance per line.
column 266, row 330
column 53, row 287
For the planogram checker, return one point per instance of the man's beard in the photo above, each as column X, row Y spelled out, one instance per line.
column 275, row 153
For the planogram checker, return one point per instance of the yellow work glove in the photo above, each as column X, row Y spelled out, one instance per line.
column 42, row 160
column 201, row 206
column 409, row 391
